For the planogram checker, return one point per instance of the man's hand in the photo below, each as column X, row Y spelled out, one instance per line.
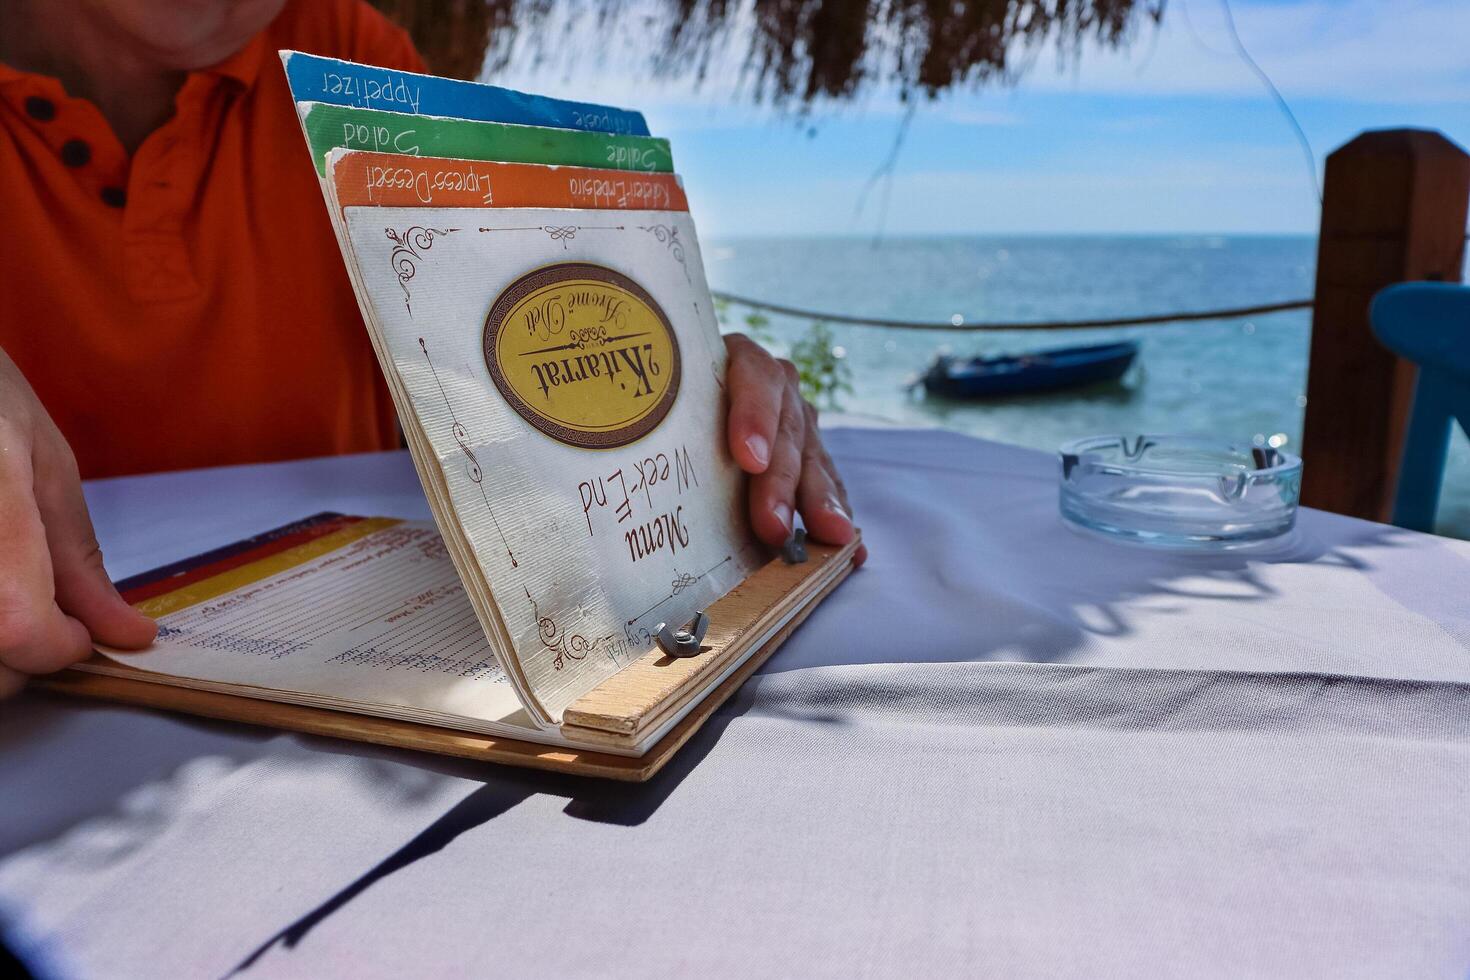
column 55, row 597
column 773, row 436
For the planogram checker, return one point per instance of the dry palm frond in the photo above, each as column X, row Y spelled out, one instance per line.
column 796, row 50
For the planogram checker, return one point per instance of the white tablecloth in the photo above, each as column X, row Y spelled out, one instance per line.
column 1001, row 748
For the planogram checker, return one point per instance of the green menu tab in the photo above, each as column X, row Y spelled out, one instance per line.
column 329, row 127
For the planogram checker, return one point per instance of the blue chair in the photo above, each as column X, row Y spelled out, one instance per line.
column 1427, row 323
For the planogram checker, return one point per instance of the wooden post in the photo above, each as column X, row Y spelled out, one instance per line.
column 1394, row 205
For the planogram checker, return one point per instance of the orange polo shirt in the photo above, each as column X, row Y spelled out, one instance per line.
column 188, row 306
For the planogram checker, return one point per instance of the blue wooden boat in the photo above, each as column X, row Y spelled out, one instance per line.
column 1016, row 374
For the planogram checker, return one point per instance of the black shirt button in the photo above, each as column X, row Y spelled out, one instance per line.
column 114, row 196
column 76, row 153
column 39, row 108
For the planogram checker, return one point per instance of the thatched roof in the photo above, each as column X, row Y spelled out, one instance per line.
column 795, row 50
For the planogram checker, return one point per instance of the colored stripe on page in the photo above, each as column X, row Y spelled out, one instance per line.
column 245, row 575
column 363, row 178
column 190, row 570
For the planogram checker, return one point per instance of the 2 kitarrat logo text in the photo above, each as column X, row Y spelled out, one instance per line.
column 584, row 354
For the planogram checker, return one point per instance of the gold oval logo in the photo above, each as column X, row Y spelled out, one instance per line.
column 584, row 354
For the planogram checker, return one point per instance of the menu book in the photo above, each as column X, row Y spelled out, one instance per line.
column 550, row 343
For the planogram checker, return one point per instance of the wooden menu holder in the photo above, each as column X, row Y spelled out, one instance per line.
column 648, row 694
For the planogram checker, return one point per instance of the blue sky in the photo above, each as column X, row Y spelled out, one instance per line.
column 1173, row 134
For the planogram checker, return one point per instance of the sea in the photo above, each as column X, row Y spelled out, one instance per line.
column 1244, row 380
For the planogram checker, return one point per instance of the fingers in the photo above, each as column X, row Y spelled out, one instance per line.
column 35, row 636
column 773, row 492
column 11, row 681
column 757, row 387
column 83, row 589
column 822, row 502
column 773, row 435
column 821, row 495
column 54, row 595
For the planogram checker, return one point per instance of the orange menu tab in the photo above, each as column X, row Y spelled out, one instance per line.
column 365, row 178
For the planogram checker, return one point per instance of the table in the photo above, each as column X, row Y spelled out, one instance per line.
column 1002, row 748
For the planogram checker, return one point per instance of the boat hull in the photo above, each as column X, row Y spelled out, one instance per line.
column 1052, row 370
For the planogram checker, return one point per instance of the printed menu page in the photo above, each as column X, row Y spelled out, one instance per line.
column 364, row 614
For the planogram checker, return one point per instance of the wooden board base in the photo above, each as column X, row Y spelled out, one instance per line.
column 444, row 741
column 624, row 710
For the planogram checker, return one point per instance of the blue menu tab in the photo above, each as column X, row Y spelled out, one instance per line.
column 347, row 83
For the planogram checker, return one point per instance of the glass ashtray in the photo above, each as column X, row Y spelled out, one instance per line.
column 1179, row 491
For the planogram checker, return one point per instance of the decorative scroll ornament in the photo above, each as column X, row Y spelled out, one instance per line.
column 566, row 646
column 681, row 582
column 561, row 233
column 472, row 463
column 668, row 235
column 408, row 251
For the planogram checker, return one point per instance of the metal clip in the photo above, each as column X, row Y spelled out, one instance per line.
column 793, row 552
column 682, row 643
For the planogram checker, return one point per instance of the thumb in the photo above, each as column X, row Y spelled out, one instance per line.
column 84, row 592
column 83, row 589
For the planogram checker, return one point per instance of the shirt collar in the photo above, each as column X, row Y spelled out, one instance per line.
column 244, row 65
column 9, row 74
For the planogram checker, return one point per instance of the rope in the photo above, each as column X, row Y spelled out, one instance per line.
column 1229, row 313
